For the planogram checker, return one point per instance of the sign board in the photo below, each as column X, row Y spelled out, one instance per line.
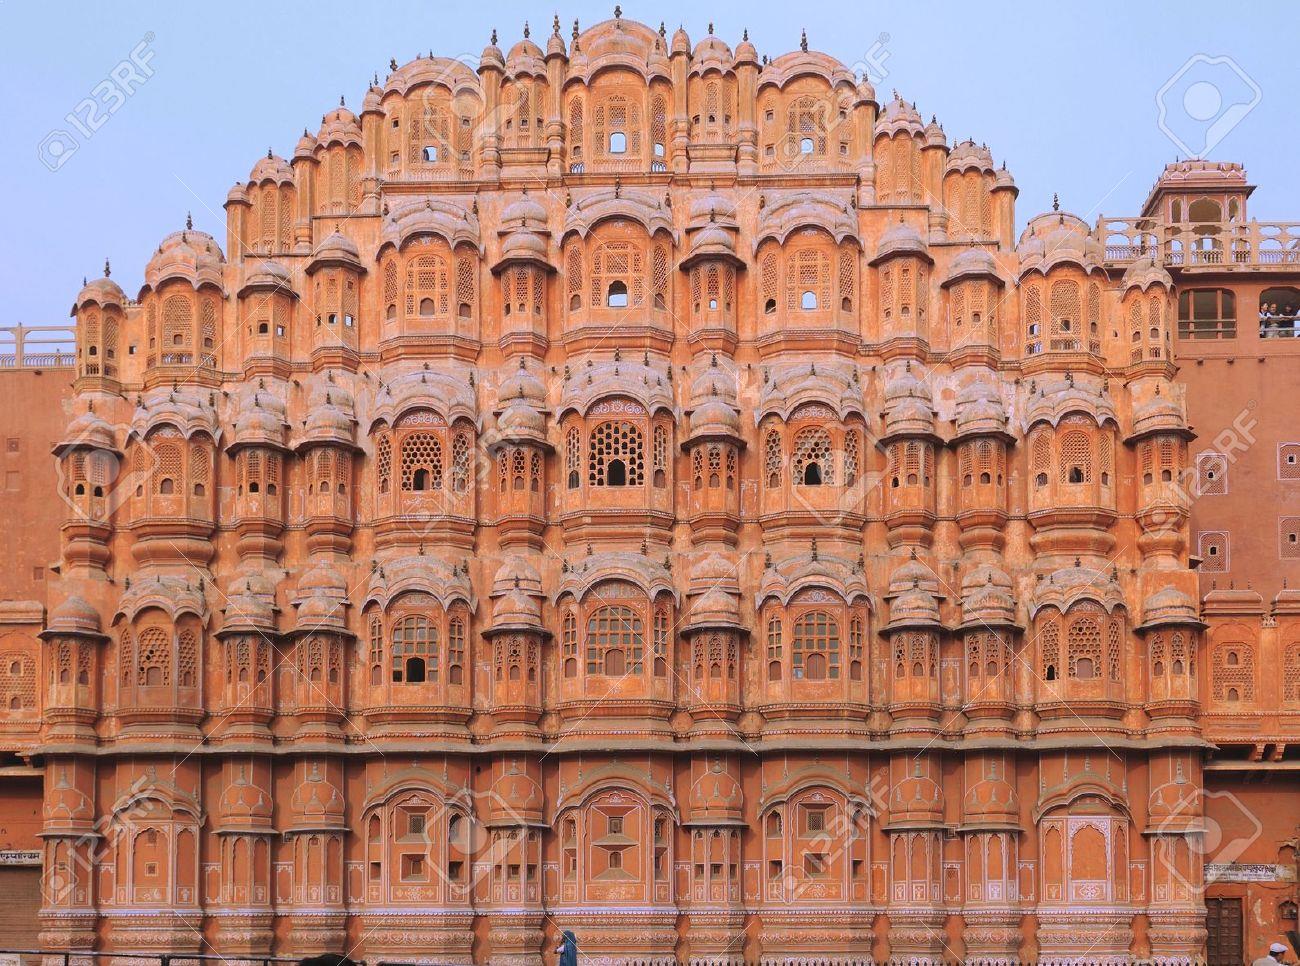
column 1241, row 872
column 19, row 857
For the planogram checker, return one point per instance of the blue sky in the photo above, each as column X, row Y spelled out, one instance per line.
column 1067, row 93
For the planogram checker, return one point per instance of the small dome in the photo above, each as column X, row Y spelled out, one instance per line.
column 909, row 406
column 972, row 262
column 191, row 255
column 237, row 195
column 492, row 56
column 1004, row 180
column 321, row 599
column 339, row 126
column 316, row 799
column 524, row 245
column 901, row 238
column 268, row 274
column 711, row 53
column 525, row 57
column 101, row 291
column 271, row 168
column 681, row 41
column 913, row 575
column 262, row 418
column 87, row 431
column 336, row 249
column 713, row 239
column 934, row 134
column 372, row 103
column 980, row 410
column 306, row 147
column 1159, row 413
column 715, row 795
column 330, row 413
column 521, row 384
column 969, row 156
column 516, row 797
column 250, row 605
column 555, row 43
column 1143, row 273
column 1169, row 606
column 715, row 608
column 66, row 805
column 747, row 53
column 715, row 417
column 987, row 598
column 516, row 571
column 520, row 421
column 515, row 608
column 75, row 615
column 899, row 116
column 525, row 211
column 244, row 802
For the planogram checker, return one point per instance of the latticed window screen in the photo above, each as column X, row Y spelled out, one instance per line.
column 427, row 286
column 573, row 456
column 1076, row 454
column 768, row 278
column 1114, row 647
column 1291, row 675
column 848, row 279
column 17, row 681
column 774, row 646
column 456, row 651
column 815, row 646
column 460, row 462
column 659, row 642
column 1050, row 647
column 465, row 286
column 1065, row 308
column 618, row 261
column 187, row 659
column 383, row 463
column 390, row 287
column 200, row 467
column 615, row 628
column 808, row 270
column 1234, row 672
column 154, row 657
column 421, row 462
column 414, row 636
column 852, row 451
column 1211, row 474
column 774, row 458
column 812, row 446
column 177, row 322
column 616, row 442
column 569, row 644
column 1084, row 647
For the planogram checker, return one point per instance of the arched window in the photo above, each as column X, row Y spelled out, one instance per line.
column 617, row 142
column 573, row 457
column 815, row 647
column 414, row 650
column 616, row 295
column 774, row 648
column 774, row 459
column 617, row 455
column 615, row 641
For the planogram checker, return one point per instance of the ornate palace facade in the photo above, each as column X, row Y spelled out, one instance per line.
column 647, row 490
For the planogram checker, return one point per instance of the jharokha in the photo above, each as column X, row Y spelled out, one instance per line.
column 645, row 489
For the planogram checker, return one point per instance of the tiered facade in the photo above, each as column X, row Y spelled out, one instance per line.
column 635, row 489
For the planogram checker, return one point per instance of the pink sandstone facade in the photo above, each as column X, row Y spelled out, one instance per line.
column 647, row 490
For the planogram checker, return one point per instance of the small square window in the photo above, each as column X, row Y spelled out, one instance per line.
column 11, row 444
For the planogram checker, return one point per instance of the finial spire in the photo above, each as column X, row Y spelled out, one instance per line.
column 342, row 102
column 710, row 28
column 268, row 153
column 803, row 41
column 744, row 34
column 189, row 221
column 108, row 269
column 494, row 36
column 527, row 33
column 575, row 28
column 1056, row 202
column 555, row 25
column 618, row 12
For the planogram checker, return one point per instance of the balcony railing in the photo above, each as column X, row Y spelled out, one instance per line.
column 1207, row 328
column 38, row 346
column 1255, row 244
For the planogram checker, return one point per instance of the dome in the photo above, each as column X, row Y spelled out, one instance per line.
column 1169, row 606
column 1004, row 180
column 306, row 147
column 1159, row 414
column 244, row 802
column 87, row 431
column 980, row 410
column 75, row 615
column 101, row 291
column 555, row 43
column 711, row 53
column 250, row 606
column 372, row 103
column 900, row 238
column 909, row 406
column 969, row 156
column 336, row 249
column 491, row 56
column 987, row 598
column 714, row 571
column 522, row 384
column 520, row 421
column 262, row 418
column 516, row 797
column 268, row 274
column 525, row 210
column 271, row 168
column 321, row 599
column 1143, row 273
column 747, row 53
column 681, row 41
column 525, row 57
column 187, row 408
column 899, row 116
column 193, row 256
column 66, row 805
column 516, row 609
column 714, row 608
column 972, row 262
column 524, row 246
column 330, row 413
column 516, row 571
column 715, row 795
column 934, row 135
column 316, row 799
column 715, row 418
column 339, row 126
column 1055, row 238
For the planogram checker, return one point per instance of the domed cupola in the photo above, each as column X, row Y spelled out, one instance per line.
column 909, row 407
column 491, row 58
column 339, row 126
column 244, row 805
column 521, row 409
column 898, row 116
column 987, row 599
column 261, row 419
column 715, row 796
column 516, row 797
column 271, row 168
column 934, row 134
column 331, row 416
column 980, row 411
column 306, row 147
column 913, row 596
column 192, row 256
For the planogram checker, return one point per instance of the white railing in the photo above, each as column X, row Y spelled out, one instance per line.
column 37, row 346
column 1256, row 244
